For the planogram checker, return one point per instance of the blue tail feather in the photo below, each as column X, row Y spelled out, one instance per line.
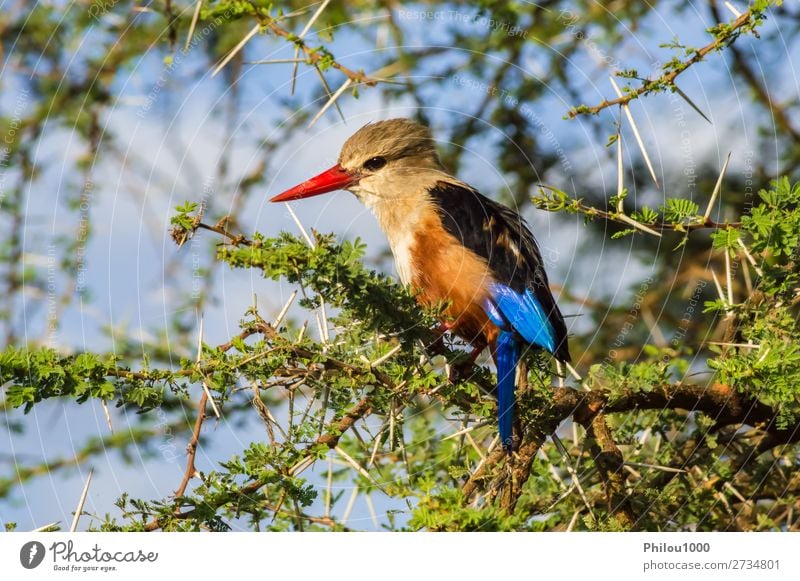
column 507, row 355
column 521, row 319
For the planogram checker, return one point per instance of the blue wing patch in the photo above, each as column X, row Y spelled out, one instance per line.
column 523, row 313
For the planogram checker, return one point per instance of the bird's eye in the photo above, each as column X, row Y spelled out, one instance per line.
column 375, row 163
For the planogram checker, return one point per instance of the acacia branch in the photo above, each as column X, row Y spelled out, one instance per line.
column 315, row 57
column 191, row 449
column 331, row 438
column 759, row 90
column 575, row 205
column 722, row 403
column 609, row 461
column 730, row 33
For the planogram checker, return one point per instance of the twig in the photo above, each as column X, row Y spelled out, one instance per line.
column 475, row 446
column 314, row 56
column 384, row 358
column 191, row 449
column 668, row 79
column 371, row 507
column 719, row 290
column 609, row 461
column 300, row 226
column 276, row 61
column 573, row 520
column 575, row 204
column 494, row 455
column 656, row 467
column 728, row 276
column 264, row 413
column 465, row 430
column 572, row 472
column 305, row 30
column 328, row 91
column 236, row 239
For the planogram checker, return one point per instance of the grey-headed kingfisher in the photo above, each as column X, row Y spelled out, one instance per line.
column 452, row 245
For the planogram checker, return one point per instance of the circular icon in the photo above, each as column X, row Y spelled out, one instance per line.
column 31, row 554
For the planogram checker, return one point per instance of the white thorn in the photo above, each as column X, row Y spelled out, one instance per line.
column 733, row 9
column 638, row 225
column 236, row 49
column 750, row 258
column 728, row 276
column 300, row 226
column 81, row 502
column 284, row 310
column 358, row 468
column 331, row 101
column 717, row 189
column 572, row 371
column 348, row 509
column 313, row 18
column 193, row 25
column 636, row 133
column 199, row 356
column 46, row 527
column 386, row 357
column 719, row 289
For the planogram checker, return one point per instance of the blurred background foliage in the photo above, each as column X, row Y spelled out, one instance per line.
column 676, row 266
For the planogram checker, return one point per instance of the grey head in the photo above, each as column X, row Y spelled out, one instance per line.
column 393, row 158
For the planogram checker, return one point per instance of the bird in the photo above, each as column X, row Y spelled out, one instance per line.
column 452, row 245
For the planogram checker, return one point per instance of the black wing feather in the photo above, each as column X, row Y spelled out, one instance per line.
column 491, row 230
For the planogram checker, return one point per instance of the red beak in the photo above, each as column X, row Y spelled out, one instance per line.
column 335, row 178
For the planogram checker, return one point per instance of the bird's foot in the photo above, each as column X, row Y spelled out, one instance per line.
column 437, row 345
column 462, row 368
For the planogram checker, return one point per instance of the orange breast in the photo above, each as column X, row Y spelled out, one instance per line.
column 445, row 271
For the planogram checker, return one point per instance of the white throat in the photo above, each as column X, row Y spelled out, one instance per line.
column 399, row 209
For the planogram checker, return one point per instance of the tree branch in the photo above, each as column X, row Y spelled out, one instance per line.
column 191, row 449
column 609, row 461
column 331, row 439
column 729, row 35
column 720, row 402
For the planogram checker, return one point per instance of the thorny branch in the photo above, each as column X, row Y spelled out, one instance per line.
column 724, row 38
column 725, row 405
column 760, row 91
column 505, row 480
column 608, row 458
column 577, row 206
column 336, row 430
